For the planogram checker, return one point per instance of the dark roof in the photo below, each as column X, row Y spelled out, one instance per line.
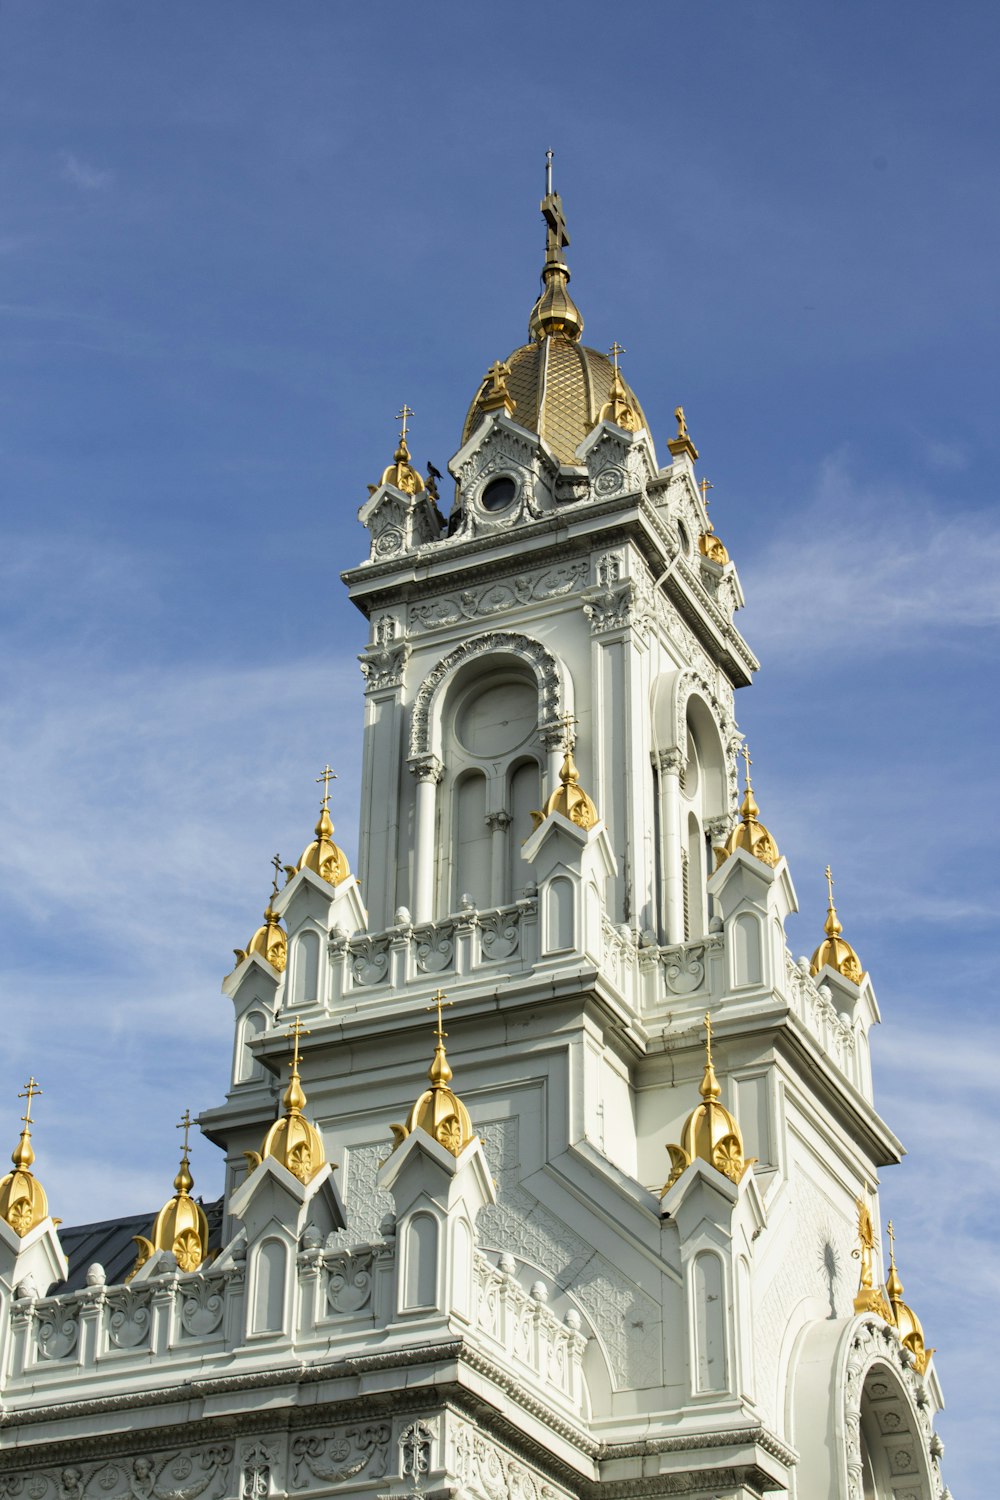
column 111, row 1244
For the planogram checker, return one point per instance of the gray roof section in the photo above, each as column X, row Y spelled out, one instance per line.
column 111, row 1244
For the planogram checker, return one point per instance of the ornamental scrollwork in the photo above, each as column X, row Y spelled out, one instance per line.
column 349, row 1452
column 547, row 675
column 202, row 1305
column 349, row 1282
column 129, row 1318
column 500, row 933
column 369, row 961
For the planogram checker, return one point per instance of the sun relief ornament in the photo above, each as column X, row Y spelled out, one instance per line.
column 710, row 1131
column 292, row 1140
column 835, row 951
column 323, row 856
column 181, row 1226
column 749, row 834
column 869, row 1297
column 439, row 1110
column 269, row 940
column 23, row 1203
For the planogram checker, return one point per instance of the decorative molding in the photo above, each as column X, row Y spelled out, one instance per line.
column 524, row 588
column 347, row 1453
column 551, row 703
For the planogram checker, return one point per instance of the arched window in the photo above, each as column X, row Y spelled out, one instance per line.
column 248, row 1069
column 305, row 968
column 470, row 841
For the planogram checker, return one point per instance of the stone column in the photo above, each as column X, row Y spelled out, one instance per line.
column 670, row 825
column 428, row 771
column 498, row 823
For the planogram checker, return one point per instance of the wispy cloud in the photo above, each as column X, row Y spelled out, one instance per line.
column 872, row 570
column 84, row 175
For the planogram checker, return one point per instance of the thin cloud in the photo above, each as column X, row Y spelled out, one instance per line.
column 83, row 175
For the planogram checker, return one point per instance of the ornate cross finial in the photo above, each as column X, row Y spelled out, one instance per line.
column 30, row 1091
column 708, row 1038
column 497, row 373
column 892, row 1245
column 705, row 485
column 184, row 1123
column 744, row 751
column 829, row 884
column 404, row 416
column 276, row 862
column 437, row 1002
column 296, row 1030
column 616, row 350
column 682, row 426
column 328, row 775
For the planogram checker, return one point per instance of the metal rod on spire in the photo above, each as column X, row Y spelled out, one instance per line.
column 548, row 172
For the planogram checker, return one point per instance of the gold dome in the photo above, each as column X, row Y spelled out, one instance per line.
column 269, row 940
column 323, row 856
column 710, row 1131
column 181, row 1226
column 559, row 388
column 749, row 833
column 569, row 798
column 292, row 1140
column 836, row 952
column 439, row 1110
column 23, row 1203
column 907, row 1323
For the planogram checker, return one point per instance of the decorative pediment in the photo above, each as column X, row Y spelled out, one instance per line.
column 398, row 523
column 506, row 476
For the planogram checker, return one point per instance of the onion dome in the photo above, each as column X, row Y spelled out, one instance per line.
column 908, row 1325
column 710, row 1131
column 569, row 798
column 269, row 940
column 835, row 951
column 181, row 1226
column 617, row 408
column 292, row 1140
column 709, row 545
column 323, row 856
column 749, row 834
column 439, row 1110
column 23, row 1203
column 401, row 472
column 558, row 386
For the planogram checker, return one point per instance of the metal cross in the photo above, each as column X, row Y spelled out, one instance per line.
column 746, row 760
column 615, row 350
column 29, row 1092
column 498, row 372
column 404, row 416
column 829, row 884
column 184, row 1123
column 276, row 862
column 297, row 1030
column 705, row 486
column 892, row 1243
column 708, row 1036
column 437, row 1001
column 682, row 426
column 329, row 774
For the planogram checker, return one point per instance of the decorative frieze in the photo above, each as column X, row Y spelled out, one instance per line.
column 513, row 593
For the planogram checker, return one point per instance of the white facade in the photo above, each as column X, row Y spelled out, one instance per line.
column 527, row 1319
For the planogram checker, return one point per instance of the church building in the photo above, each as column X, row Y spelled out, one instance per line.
column 550, row 1172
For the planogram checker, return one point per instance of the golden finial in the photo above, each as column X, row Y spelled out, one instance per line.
column 23, row 1203
column 709, row 545
column 269, row 941
column 181, row 1226
column 908, row 1325
column 682, row 444
column 749, row 833
column 618, row 409
column 555, row 312
column 293, row 1140
column 323, row 856
column 869, row 1297
column 569, row 797
column 439, row 1110
column 835, row 952
column 710, row 1131
column 498, row 397
column 401, row 474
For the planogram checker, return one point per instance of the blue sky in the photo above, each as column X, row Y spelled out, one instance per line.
column 234, row 239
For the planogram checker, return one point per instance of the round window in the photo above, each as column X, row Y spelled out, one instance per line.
column 499, row 493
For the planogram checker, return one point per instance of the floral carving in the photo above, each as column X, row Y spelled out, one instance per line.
column 435, row 947
column 500, row 933
column 369, row 960
column 349, row 1282
column 202, row 1305
column 58, row 1332
column 129, row 1320
column 348, row 1453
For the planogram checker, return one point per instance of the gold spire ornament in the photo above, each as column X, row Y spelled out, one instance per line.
column 709, row 545
column 293, row 1140
column 749, row 833
column 181, row 1226
column 439, row 1110
column 555, row 312
column 23, row 1203
column 835, row 952
column 617, row 408
column 269, row 940
column 682, row 444
column 401, row 473
column 497, row 396
column 323, row 856
column 907, row 1323
column 869, row 1297
column 710, row 1131
column 569, row 798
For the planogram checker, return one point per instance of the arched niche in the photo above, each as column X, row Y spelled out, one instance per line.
column 305, row 967
column 420, row 1263
column 253, row 1025
column 746, row 949
column 708, row 1323
column 267, row 1303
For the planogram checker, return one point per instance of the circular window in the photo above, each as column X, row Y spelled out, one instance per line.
column 499, row 493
